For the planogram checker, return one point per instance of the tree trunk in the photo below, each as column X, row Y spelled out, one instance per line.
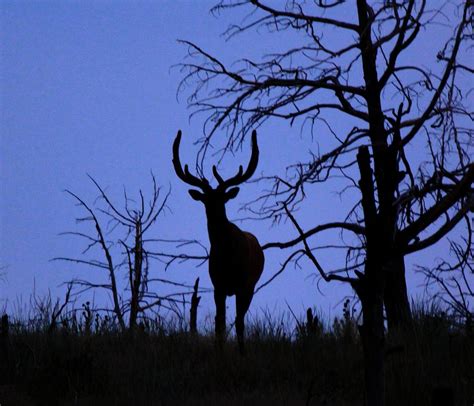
column 195, row 299
column 373, row 346
column 6, row 372
column 397, row 303
column 136, row 275
column 370, row 287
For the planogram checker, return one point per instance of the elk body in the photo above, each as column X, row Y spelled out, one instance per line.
column 236, row 258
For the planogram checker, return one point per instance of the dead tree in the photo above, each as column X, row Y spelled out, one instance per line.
column 121, row 238
column 195, row 299
column 353, row 68
column 453, row 282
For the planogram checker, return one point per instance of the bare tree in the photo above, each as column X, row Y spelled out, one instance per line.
column 354, row 67
column 128, row 251
column 454, row 281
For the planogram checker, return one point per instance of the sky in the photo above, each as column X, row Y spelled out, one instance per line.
column 89, row 88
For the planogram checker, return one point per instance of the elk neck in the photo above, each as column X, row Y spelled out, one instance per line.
column 218, row 225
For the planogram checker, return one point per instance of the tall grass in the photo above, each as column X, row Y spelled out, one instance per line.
column 87, row 361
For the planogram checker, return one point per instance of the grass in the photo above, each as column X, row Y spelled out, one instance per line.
column 90, row 363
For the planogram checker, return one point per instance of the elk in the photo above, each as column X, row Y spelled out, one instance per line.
column 236, row 258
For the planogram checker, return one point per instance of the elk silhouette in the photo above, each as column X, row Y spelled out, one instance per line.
column 236, row 258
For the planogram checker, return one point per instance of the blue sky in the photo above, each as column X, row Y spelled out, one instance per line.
column 86, row 88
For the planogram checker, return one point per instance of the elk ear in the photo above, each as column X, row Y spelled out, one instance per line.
column 196, row 195
column 232, row 193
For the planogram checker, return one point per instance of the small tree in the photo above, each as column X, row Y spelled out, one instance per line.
column 123, row 247
column 454, row 281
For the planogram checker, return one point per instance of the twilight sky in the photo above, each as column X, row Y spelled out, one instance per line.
column 86, row 88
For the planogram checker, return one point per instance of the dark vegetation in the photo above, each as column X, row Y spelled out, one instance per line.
column 87, row 361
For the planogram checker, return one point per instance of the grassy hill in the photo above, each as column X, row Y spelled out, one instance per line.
column 89, row 362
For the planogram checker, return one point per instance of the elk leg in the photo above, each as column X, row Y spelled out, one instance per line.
column 242, row 304
column 219, row 299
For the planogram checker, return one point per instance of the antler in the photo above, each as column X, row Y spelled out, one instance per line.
column 241, row 177
column 185, row 175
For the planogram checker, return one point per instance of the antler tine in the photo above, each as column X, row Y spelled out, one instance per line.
column 185, row 175
column 242, row 176
column 216, row 175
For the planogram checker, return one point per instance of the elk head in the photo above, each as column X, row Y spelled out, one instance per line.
column 214, row 199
